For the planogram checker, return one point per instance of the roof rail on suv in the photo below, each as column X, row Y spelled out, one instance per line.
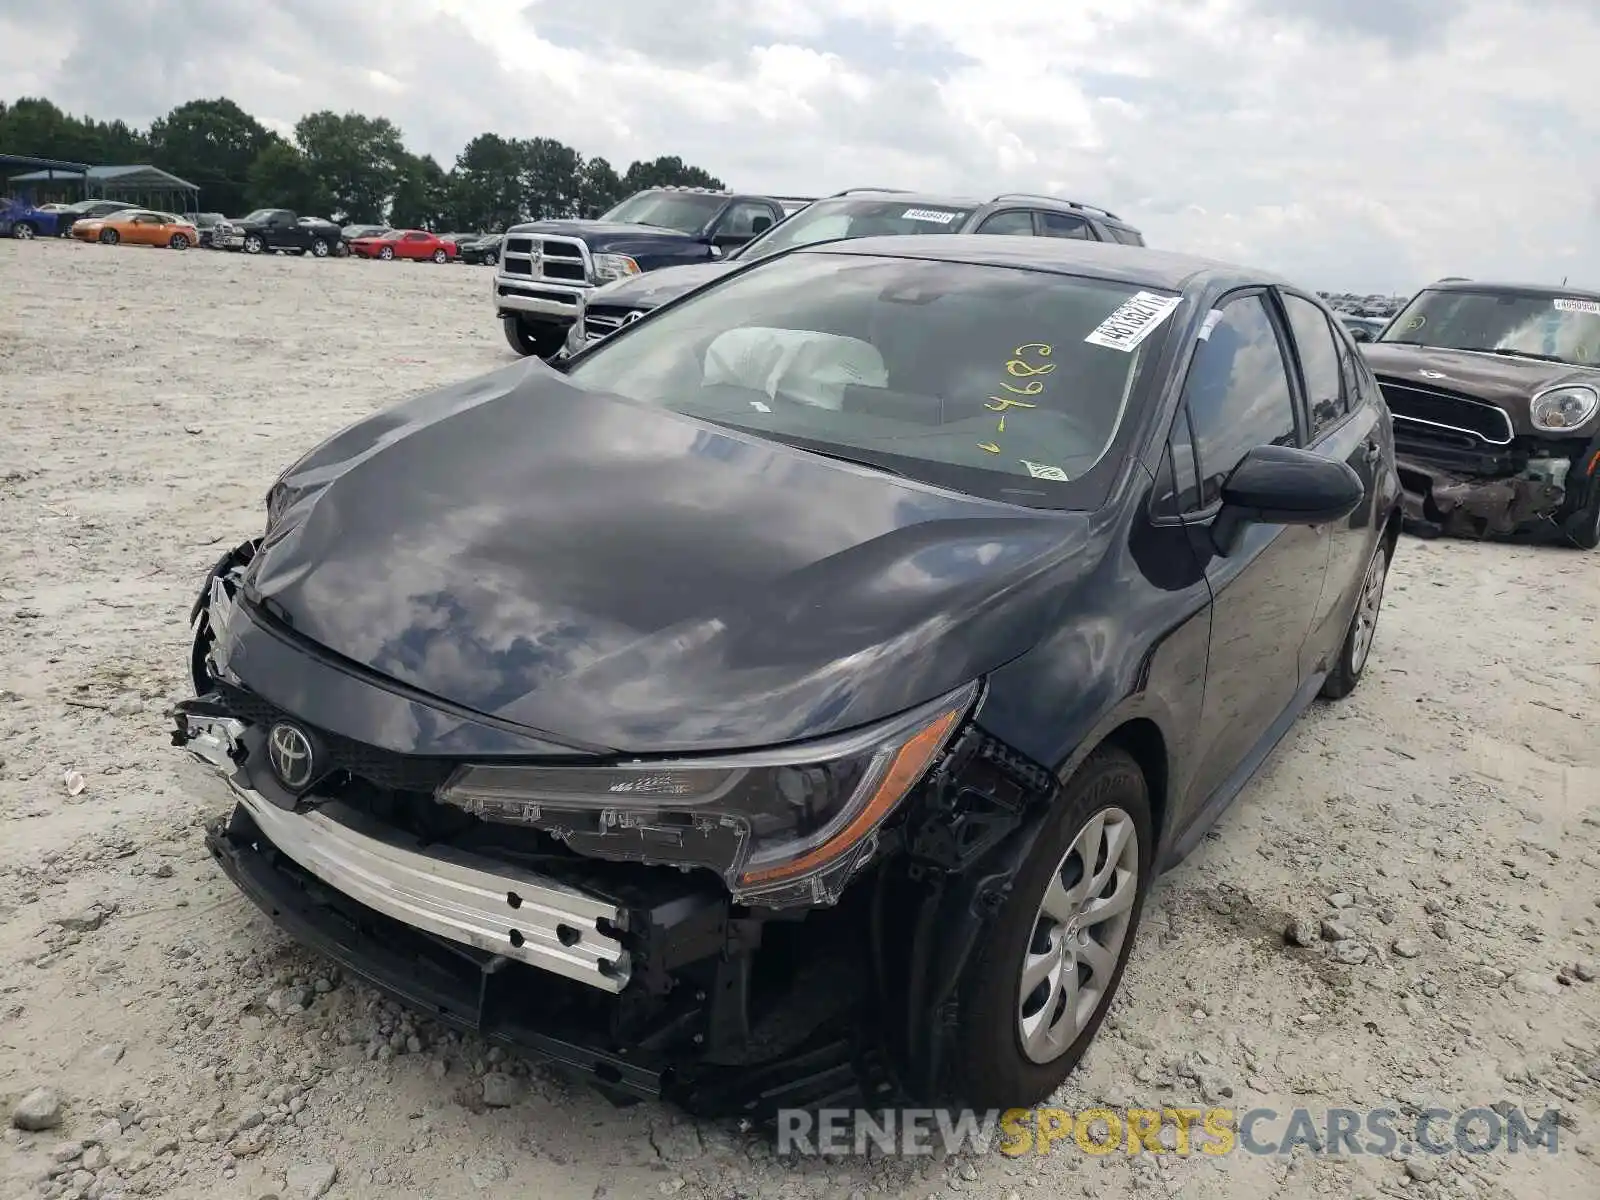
column 1094, row 208
column 676, row 187
column 852, row 191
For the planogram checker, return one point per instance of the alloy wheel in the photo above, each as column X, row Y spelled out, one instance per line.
column 22, row 231
column 1079, row 930
column 1367, row 610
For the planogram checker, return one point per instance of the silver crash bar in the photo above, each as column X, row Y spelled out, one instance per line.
column 461, row 897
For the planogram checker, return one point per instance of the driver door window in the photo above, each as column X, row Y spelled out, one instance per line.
column 1237, row 393
column 1065, row 225
column 745, row 219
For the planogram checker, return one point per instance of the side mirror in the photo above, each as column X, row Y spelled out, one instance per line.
column 1284, row 485
column 1360, row 334
column 724, row 240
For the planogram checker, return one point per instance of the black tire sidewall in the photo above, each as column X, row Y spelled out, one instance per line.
column 179, row 242
column 991, row 1070
column 1344, row 677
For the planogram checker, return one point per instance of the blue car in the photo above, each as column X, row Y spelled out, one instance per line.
column 20, row 219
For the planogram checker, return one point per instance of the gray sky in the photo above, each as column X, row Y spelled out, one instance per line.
column 1351, row 144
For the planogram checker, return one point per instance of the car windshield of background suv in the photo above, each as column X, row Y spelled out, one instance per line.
column 1562, row 329
column 968, row 376
column 830, row 220
column 686, row 213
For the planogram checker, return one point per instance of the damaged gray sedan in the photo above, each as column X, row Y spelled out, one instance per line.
column 1495, row 393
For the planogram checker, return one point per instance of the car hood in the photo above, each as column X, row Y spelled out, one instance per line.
column 1505, row 381
column 618, row 576
column 587, row 229
column 652, row 289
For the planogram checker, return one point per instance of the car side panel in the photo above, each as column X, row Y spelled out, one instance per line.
column 1130, row 643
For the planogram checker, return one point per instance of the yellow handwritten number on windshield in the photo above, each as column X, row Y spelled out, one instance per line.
column 1018, row 367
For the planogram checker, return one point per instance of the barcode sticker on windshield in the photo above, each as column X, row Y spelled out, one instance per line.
column 1135, row 319
column 1586, row 306
column 1041, row 471
column 928, row 214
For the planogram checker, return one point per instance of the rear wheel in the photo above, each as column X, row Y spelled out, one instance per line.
column 1035, row 994
column 110, row 237
column 1357, row 648
column 180, row 241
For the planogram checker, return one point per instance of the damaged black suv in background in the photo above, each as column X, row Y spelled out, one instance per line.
column 1495, row 391
column 791, row 699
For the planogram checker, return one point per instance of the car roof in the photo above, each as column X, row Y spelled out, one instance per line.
column 1006, row 199
column 1495, row 285
column 1136, row 265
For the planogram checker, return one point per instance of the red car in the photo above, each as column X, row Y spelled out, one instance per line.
column 405, row 243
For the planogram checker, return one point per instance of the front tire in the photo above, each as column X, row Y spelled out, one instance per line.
column 1583, row 527
column 439, row 256
column 1034, row 996
column 319, row 249
column 1357, row 647
column 490, row 259
column 253, row 244
column 387, row 253
column 533, row 343
column 180, row 241
column 24, row 231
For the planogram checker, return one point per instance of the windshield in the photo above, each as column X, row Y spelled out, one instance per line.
column 260, row 214
column 829, row 220
column 687, row 212
column 973, row 377
column 1523, row 324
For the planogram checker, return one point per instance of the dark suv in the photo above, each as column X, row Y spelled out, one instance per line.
column 854, row 213
column 1495, row 390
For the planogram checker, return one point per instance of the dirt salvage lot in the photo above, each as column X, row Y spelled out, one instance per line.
column 147, row 399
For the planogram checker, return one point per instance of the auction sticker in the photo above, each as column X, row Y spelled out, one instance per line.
column 1043, row 471
column 928, row 214
column 1564, row 304
column 1135, row 319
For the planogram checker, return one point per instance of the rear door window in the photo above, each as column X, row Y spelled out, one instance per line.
column 1065, row 225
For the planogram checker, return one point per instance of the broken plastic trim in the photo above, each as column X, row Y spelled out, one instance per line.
column 782, row 827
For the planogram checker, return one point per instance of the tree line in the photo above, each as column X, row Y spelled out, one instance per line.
column 348, row 166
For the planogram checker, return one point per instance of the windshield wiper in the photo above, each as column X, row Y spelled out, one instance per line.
column 1555, row 358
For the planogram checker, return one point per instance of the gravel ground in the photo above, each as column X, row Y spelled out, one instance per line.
column 1446, row 816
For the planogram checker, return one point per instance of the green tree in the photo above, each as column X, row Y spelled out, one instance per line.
column 486, row 186
column 599, row 189
column 551, row 178
column 356, row 159
column 211, row 143
column 666, row 171
column 422, row 196
column 282, row 177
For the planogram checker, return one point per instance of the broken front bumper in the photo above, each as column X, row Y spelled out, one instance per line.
column 1461, row 505
column 472, row 901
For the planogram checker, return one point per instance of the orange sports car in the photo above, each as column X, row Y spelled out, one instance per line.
column 140, row 227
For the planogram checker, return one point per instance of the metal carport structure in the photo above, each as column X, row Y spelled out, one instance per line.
column 139, row 184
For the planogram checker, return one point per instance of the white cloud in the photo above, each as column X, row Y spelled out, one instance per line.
column 1348, row 143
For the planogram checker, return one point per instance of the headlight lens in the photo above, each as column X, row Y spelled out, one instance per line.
column 1563, row 408
column 781, row 828
column 609, row 267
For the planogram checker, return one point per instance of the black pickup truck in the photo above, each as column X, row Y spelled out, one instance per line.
column 279, row 229
column 547, row 268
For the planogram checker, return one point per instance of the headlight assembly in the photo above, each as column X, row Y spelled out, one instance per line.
column 1563, row 408
column 781, row 827
column 611, row 267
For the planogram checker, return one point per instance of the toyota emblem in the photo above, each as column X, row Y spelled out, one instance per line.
column 289, row 752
